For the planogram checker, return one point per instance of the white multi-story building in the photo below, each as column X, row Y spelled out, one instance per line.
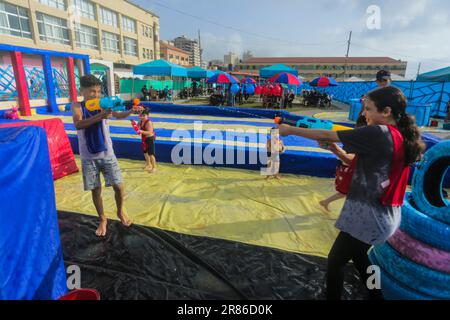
column 191, row 46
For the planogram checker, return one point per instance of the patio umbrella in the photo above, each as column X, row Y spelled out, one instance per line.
column 160, row 68
column 324, row 82
column 276, row 69
column 222, row 78
column 286, row 78
column 248, row 80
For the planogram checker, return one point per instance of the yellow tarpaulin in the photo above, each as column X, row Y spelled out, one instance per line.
column 237, row 205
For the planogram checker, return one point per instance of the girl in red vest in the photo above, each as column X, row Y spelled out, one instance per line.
column 148, row 140
column 384, row 151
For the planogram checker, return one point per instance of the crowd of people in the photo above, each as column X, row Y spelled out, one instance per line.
column 273, row 95
column 151, row 94
column 316, row 99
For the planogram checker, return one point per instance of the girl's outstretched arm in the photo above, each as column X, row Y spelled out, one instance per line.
column 324, row 135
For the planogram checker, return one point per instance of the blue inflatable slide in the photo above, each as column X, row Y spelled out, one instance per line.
column 31, row 260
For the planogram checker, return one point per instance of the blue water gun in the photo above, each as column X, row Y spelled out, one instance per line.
column 306, row 122
column 106, row 103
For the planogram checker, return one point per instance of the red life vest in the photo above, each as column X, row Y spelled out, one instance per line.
column 395, row 188
column 344, row 175
column 143, row 136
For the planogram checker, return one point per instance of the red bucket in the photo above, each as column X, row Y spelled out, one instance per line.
column 81, row 294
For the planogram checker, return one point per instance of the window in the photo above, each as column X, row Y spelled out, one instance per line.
column 58, row 4
column 171, row 56
column 148, row 54
column 86, row 37
column 110, row 42
column 147, row 31
column 177, row 57
column 85, row 8
column 128, row 24
column 52, row 29
column 130, row 46
column 14, row 21
column 109, row 17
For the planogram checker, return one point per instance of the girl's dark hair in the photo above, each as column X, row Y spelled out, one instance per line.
column 395, row 99
column 89, row 81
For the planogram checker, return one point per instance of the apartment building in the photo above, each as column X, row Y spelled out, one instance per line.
column 340, row 68
column 116, row 31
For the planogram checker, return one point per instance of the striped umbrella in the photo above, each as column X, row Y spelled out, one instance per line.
column 223, row 78
column 323, row 82
column 286, row 78
column 248, row 80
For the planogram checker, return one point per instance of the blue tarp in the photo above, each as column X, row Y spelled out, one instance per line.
column 276, row 69
column 439, row 75
column 199, row 73
column 160, row 68
column 435, row 93
column 31, row 260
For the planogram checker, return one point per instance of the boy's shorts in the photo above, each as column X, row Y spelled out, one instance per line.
column 91, row 173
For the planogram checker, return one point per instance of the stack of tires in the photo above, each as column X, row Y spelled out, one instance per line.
column 415, row 263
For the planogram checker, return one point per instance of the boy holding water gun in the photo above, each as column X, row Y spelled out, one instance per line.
column 91, row 119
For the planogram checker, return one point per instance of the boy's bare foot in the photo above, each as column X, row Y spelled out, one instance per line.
column 153, row 170
column 101, row 230
column 126, row 221
column 278, row 177
column 325, row 205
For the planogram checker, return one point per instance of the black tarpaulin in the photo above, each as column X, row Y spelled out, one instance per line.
column 148, row 263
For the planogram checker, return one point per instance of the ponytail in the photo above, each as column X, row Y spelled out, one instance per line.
column 412, row 140
column 395, row 99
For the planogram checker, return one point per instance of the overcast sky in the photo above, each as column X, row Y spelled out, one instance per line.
column 411, row 30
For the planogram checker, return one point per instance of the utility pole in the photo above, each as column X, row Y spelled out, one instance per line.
column 413, row 83
column 200, row 47
column 349, row 43
column 418, row 69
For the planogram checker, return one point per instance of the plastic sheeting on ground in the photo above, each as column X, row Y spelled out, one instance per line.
column 148, row 263
column 31, row 262
column 61, row 155
column 238, row 205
